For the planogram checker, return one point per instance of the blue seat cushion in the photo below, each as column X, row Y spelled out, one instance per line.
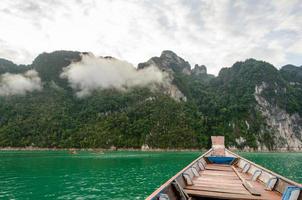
column 221, row 160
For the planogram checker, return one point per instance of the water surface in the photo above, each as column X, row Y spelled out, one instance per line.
column 112, row 175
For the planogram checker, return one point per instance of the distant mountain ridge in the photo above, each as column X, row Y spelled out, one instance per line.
column 253, row 104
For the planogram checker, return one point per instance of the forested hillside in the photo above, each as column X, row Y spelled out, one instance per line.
column 55, row 102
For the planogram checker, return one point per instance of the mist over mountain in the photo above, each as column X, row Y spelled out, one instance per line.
column 75, row 99
column 93, row 73
column 19, row 84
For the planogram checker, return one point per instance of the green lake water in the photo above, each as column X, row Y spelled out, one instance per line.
column 112, row 175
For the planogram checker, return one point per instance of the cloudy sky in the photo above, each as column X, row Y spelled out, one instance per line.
column 214, row 33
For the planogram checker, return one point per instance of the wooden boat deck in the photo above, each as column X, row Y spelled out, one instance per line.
column 204, row 180
column 221, row 181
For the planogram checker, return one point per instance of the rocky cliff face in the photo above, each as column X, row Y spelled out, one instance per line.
column 170, row 62
column 199, row 70
column 177, row 69
column 287, row 128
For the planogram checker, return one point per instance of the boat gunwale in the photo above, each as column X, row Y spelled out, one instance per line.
column 166, row 184
column 265, row 169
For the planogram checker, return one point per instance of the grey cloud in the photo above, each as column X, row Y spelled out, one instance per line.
column 211, row 32
column 32, row 10
column 14, row 54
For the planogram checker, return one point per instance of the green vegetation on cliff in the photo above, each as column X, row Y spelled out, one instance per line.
column 223, row 105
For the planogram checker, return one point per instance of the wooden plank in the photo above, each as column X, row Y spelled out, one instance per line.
column 222, row 190
column 224, row 173
column 216, row 177
column 221, row 165
column 221, row 187
column 212, row 170
column 218, row 174
column 218, row 167
column 220, row 195
column 218, row 145
column 211, row 176
column 247, row 185
column 218, row 181
column 217, row 184
column 239, row 187
column 209, row 167
column 251, row 189
column 215, row 169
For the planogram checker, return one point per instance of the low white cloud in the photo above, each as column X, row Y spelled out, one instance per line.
column 93, row 73
column 19, row 84
column 210, row 32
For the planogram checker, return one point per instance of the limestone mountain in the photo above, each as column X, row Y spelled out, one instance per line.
column 257, row 92
column 253, row 104
column 7, row 66
column 50, row 65
column 168, row 61
column 292, row 74
column 199, row 69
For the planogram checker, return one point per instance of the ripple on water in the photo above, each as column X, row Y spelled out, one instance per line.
column 113, row 175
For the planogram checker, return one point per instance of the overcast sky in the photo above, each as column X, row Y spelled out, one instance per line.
column 213, row 33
